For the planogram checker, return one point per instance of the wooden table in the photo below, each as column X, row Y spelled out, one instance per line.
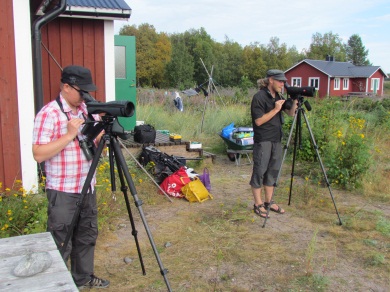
column 55, row 278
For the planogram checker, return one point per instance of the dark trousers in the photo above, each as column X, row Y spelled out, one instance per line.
column 81, row 246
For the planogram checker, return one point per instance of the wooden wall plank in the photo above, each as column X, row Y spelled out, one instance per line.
column 10, row 163
column 99, row 61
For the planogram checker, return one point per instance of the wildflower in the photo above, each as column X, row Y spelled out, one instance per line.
column 25, row 201
column 25, row 207
column 140, row 181
column 343, row 143
column 362, row 135
column 7, row 189
column 306, row 178
column 10, row 218
column 133, row 175
column 9, row 212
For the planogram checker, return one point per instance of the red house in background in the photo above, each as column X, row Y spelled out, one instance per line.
column 331, row 78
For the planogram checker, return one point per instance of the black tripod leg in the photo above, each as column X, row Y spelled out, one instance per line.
column 322, row 167
column 281, row 165
column 296, row 138
column 122, row 163
column 134, row 231
column 84, row 191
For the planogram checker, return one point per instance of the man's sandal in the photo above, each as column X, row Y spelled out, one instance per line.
column 257, row 210
column 278, row 210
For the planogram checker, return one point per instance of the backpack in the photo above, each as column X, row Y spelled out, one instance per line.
column 163, row 164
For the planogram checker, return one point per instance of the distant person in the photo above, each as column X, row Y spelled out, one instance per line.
column 267, row 120
column 56, row 136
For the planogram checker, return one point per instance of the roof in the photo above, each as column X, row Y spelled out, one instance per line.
column 101, row 9
column 341, row 69
column 109, row 4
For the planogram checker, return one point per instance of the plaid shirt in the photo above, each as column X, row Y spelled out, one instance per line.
column 66, row 171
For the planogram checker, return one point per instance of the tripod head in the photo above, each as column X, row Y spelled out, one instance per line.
column 301, row 101
column 299, row 93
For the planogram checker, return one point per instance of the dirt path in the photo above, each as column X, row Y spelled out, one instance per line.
column 220, row 245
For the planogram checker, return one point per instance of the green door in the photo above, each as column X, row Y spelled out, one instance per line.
column 125, row 79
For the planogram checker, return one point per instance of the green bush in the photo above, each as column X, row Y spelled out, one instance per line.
column 23, row 212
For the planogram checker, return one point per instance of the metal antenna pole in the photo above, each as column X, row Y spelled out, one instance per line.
column 211, row 86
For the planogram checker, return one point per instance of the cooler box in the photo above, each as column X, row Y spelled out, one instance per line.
column 245, row 141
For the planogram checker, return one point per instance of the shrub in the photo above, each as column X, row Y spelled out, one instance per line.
column 24, row 211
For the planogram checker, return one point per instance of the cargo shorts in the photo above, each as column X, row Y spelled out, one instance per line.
column 267, row 159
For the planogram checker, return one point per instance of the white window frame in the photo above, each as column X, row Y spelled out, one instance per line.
column 372, row 83
column 314, row 80
column 296, row 81
column 346, row 83
column 337, row 83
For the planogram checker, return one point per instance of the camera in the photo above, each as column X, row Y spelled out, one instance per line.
column 296, row 92
column 93, row 128
column 120, row 108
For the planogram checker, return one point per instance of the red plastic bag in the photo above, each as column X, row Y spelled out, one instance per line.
column 172, row 184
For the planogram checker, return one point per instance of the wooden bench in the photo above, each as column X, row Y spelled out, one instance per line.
column 346, row 97
column 55, row 278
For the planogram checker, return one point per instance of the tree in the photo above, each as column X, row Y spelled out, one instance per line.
column 327, row 45
column 253, row 64
column 153, row 53
column 180, row 69
column 356, row 52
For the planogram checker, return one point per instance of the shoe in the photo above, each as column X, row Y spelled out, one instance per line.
column 257, row 210
column 269, row 205
column 95, row 282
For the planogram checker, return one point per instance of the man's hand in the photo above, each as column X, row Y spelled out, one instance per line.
column 73, row 127
column 279, row 104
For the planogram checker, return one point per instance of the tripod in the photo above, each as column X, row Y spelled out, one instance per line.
column 110, row 139
column 297, row 138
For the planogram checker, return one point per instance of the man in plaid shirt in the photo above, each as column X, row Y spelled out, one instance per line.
column 56, row 136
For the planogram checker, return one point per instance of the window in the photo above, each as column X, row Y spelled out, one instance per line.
column 296, row 81
column 337, row 83
column 375, row 84
column 120, row 62
column 314, row 82
column 346, row 83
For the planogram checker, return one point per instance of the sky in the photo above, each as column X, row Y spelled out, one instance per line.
column 293, row 22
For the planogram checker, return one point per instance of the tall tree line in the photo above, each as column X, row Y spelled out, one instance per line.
column 184, row 60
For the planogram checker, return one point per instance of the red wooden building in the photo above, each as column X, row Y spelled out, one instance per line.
column 38, row 39
column 331, row 78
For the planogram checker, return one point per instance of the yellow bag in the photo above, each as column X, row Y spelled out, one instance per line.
column 195, row 191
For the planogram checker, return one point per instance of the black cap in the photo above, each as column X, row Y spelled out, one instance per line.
column 80, row 76
column 276, row 74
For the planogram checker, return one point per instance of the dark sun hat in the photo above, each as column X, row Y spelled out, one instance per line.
column 80, row 76
column 276, row 74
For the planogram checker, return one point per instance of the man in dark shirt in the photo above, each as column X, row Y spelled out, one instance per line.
column 267, row 120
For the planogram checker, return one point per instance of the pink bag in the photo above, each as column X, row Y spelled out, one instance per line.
column 205, row 178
